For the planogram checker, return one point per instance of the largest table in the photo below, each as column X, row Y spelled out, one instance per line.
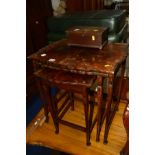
column 102, row 63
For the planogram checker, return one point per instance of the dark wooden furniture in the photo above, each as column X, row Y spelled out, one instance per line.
column 102, row 63
column 72, row 83
column 84, row 5
column 125, row 150
column 87, row 36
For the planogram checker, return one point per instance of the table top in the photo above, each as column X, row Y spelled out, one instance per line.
column 82, row 60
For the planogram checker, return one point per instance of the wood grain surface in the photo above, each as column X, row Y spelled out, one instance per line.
column 71, row 140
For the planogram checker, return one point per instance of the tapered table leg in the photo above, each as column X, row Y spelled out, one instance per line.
column 108, row 108
column 99, row 110
column 125, row 150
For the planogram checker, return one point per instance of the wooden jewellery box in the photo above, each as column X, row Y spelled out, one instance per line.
column 87, row 36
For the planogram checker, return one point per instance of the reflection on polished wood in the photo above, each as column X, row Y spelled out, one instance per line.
column 71, row 140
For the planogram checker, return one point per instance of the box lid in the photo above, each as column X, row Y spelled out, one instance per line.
column 86, row 29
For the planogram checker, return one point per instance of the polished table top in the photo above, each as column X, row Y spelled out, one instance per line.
column 82, row 60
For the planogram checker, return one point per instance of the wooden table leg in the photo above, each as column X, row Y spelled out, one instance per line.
column 41, row 91
column 50, row 101
column 111, row 113
column 43, row 99
column 108, row 107
column 99, row 110
column 121, row 80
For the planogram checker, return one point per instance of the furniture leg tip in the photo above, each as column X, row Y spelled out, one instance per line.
column 97, row 139
column 57, row 131
column 105, row 142
column 88, row 143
